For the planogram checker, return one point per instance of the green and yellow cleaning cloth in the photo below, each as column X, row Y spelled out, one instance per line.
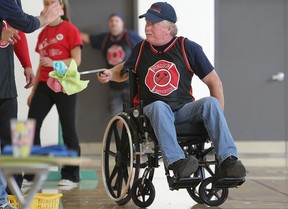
column 66, row 79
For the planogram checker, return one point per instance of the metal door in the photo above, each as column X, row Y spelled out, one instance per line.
column 251, row 58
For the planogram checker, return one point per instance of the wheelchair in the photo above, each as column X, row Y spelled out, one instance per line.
column 126, row 145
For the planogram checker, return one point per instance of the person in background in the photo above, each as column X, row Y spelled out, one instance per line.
column 164, row 65
column 8, row 96
column 58, row 41
column 116, row 47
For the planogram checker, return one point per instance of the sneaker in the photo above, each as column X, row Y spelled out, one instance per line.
column 185, row 167
column 7, row 206
column 231, row 167
column 27, row 183
column 66, row 182
column 25, row 190
column 67, row 188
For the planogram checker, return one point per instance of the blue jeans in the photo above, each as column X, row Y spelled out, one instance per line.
column 3, row 194
column 206, row 110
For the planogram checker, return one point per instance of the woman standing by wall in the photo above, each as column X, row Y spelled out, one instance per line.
column 58, row 41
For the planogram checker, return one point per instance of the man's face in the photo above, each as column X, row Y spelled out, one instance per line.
column 116, row 25
column 156, row 33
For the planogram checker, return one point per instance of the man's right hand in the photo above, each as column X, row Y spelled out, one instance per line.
column 105, row 76
column 50, row 14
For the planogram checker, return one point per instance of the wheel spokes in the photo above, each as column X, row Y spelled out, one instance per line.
column 118, row 170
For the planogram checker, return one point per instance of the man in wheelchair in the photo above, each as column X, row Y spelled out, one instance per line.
column 163, row 65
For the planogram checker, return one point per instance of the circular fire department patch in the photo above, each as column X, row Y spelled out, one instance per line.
column 115, row 55
column 162, row 78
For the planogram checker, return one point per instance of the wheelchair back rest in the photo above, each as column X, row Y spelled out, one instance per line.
column 133, row 84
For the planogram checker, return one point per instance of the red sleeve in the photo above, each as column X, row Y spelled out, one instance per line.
column 22, row 52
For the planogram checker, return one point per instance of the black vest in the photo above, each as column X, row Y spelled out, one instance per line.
column 164, row 76
column 116, row 50
column 7, row 77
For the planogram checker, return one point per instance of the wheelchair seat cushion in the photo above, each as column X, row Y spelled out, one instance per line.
column 191, row 129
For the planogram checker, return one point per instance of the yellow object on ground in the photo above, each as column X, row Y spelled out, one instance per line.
column 40, row 201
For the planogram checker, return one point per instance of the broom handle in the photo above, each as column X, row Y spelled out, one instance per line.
column 92, row 71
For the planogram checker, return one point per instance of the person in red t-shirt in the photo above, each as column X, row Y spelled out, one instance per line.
column 59, row 41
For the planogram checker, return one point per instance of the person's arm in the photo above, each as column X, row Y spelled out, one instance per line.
column 18, row 19
column 214, row 84
column 22, row 52
column 85, row 37
column 97, row 40
column 29, row 99
column 12, row 12
column 30, row 77
column 76, row 55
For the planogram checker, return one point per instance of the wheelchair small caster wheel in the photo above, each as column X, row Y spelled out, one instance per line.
column 210, row 195
column 194, row 194
column 143, row 193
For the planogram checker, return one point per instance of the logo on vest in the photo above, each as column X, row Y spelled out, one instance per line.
column 162, row 78
column 115, row 55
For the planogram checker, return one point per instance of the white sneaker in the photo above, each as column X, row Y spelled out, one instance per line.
column 66, row 182
column 26, row 183
column 66, row 188
column 25, row 190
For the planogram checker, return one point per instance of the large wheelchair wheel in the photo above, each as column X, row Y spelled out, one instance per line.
column 143, row 193
column 210, row 195
column 119, row 159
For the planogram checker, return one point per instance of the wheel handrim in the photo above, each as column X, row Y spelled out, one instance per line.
column 117, row 175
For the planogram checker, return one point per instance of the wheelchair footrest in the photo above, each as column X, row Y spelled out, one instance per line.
column 228, row 182
column 180, row 183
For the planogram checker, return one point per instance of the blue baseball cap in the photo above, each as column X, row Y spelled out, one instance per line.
column 160, row 11
column 117, row 14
